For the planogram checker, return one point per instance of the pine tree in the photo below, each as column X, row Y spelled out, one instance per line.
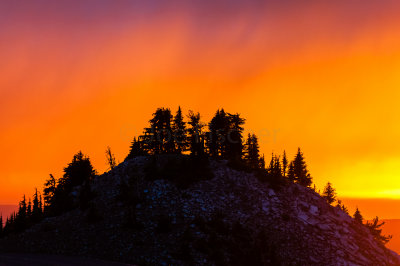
column 195, row 134
column 218, row 132
column 301, row 173
column 329, row 193
column 48, row 192
column 36, row 207
column 376, row 230
column 284, row 164
column 29, row 210
column 251, row 152
column 358, row 217
column 234, row 140
column 290, row 175
column 111, row 161
column 137, row 148
column 262, row 162
column 179, row 132
column 341, row 206
column 158, row 137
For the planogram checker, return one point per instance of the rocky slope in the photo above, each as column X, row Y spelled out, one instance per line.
column 230, row 219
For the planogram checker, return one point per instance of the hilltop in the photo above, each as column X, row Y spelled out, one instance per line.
column 229, row 218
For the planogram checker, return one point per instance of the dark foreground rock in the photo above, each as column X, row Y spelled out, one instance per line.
column 230, row 219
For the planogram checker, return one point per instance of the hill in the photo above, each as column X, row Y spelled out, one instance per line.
column 142, row 213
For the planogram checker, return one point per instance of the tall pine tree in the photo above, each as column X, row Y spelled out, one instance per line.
column 301, row 173
column 179, row 132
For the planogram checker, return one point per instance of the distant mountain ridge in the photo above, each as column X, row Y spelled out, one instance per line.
column 141, row 215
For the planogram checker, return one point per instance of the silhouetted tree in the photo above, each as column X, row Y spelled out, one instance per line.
column 158, row 137
column 252, row 152
column 358, row 217
column 234, row 140
column 195, row 134
column 21, row 219
column 262, row 162
column 111, row 161
column 37, row 211
column 48, row 192
column 284, row 164
column 341, row 206
column 329, row 193
column 179, row 132
column 29, row 209
column 80, row 171
column 290, row 175
column 137, row 148
column 218, row 132
column 275, row 169
column 301, row 173
column 376, row 230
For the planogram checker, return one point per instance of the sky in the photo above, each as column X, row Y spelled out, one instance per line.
column 84, row 75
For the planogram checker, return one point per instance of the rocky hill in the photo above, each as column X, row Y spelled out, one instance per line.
column 140, row 214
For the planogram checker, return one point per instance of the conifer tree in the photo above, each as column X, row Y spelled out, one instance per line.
column 234, row 140
column 179, row 132
column 329, row 193
column 284, row 164
column 1, row 225
column 251, row 152
column 290, row 175
column 36, row 207
column 376, row 230
column 341, row 206
column 111, row 161
column 195, row 134
column 137, row 148
column 158, row 137
column 218, row 131
column 29, row 210
column 48, row 192
column 262, row 162
column 357, row 216
column 301, row 173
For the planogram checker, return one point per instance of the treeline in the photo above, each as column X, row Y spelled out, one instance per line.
column 222, row 138
column 70, row 191
column 374, row 226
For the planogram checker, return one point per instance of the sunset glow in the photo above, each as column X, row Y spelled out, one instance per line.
column 84, row 75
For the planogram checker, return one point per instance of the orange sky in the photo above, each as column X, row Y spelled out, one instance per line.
column 321, row 75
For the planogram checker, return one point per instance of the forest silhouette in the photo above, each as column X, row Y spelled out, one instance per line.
column 192, row 144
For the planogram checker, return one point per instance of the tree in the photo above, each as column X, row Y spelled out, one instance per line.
column 301, row 173
column 158, row 137
column 137, row 148
column 36, row 207
column 234, row 139
column 195, row 134
column 290, row 175
column 275, row 169
column 341, row 206
column 218, row 132
column 376, row 230
column 48, row 192
column 1, row 225
column 251, row 152
column 78, row 171
column 284, row 164
column 358, row 217
column 112, row 162
column 329, row 193
column 179, row 132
